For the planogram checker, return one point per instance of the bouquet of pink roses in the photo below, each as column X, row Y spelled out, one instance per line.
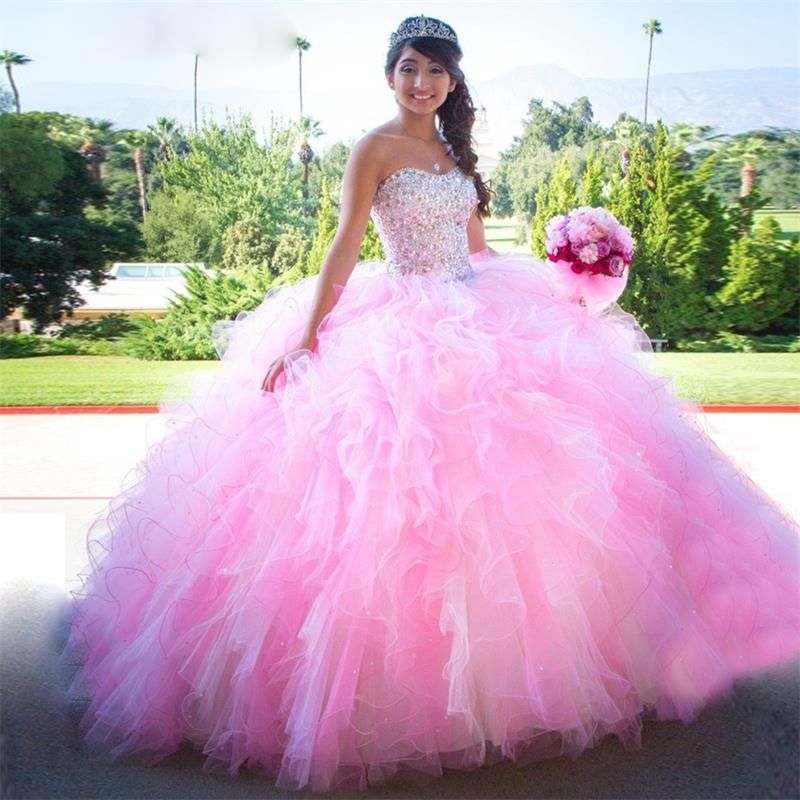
column 592, row 251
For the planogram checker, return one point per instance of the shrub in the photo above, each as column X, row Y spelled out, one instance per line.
column 728, row 342
column 26, row 345
column 111, row 327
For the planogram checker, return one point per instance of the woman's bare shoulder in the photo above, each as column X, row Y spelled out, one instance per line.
column 373, row 150
column 366, row 165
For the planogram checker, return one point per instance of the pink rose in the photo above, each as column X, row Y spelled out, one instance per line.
column 588, row 253
column 616, row 266
column 579, row 232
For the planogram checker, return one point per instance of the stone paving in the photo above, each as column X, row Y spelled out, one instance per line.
column 58, row 471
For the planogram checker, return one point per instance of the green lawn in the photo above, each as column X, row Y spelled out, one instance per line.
column 119, row 380
column 787, row 218
column 501, row 233
column 734, row 377
column 90, row 380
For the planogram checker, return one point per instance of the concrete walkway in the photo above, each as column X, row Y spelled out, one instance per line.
column 59, row 471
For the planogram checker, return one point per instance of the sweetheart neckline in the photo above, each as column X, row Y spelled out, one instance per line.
column 417, row 169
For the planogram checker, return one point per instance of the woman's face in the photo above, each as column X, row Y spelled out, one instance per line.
column 420, row 84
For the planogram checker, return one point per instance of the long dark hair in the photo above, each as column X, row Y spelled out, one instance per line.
column 457, row 113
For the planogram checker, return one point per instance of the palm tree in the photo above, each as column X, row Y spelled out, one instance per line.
column 162, row 140
column 650, row 28
column 747, row 151
column 196, row 59
column 625, row 131
column 309, row 129
column 167, row 132
column 305, row 153
column 302, row 45
column 10, row 59
column 685, row 135
column 96, row 137
column 137, row 142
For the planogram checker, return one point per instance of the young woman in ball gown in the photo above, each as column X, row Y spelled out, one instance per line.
column 431, row 513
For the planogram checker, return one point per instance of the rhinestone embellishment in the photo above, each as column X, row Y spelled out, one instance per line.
column 422, row 26
column 422, row 219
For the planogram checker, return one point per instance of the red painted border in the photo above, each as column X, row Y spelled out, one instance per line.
column 759, row 408
column 78, row 409
column 763, row 408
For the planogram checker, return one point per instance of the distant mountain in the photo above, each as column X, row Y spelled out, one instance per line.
column 136, row 105
column 731, row 100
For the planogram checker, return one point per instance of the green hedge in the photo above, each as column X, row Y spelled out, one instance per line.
column 108, row 335
column 726, row 342
column 25, row 345
column 88, row 340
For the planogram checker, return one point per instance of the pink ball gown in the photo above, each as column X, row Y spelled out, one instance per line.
column 473, row 524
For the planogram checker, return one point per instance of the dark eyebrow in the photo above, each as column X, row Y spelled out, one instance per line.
column 414, row 60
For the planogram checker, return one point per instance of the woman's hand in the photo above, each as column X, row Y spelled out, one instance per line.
column 482, row 255
column 278, row 366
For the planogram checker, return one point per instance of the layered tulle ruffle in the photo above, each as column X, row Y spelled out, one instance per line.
column 474, row 523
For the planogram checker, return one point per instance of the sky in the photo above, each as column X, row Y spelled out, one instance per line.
column 249, row 44
column 245, row 43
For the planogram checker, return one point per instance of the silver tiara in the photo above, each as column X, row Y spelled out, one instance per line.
column 422, row 26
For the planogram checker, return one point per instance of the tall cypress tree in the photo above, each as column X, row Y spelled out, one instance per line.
column 675, row 229
column 539, row 222
column 563, row 191
column 327, row 222
column 592, row 180
column 761, row 280
column 629, row 202
column 371, row 246
column 559, row 196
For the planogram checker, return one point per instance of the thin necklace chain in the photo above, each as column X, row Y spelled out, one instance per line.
column 437, row 166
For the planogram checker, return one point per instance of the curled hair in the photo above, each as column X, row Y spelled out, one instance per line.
column 457, row 113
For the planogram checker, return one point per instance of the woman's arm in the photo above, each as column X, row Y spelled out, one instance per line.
column 477, row 236
column 359, row 185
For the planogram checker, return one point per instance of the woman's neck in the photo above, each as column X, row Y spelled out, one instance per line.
column 423, row 128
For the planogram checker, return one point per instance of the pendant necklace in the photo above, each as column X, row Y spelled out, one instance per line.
column 436, row 164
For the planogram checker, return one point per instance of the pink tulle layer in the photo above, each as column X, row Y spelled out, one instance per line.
column 474, row 524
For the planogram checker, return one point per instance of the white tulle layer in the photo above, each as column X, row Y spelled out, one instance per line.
column 474, row 524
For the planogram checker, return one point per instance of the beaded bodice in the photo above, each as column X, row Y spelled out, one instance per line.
column 422, row 219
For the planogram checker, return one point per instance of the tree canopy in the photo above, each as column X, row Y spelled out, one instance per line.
column 48, row 237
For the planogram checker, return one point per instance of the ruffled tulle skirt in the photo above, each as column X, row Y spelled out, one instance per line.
column 473, row 524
